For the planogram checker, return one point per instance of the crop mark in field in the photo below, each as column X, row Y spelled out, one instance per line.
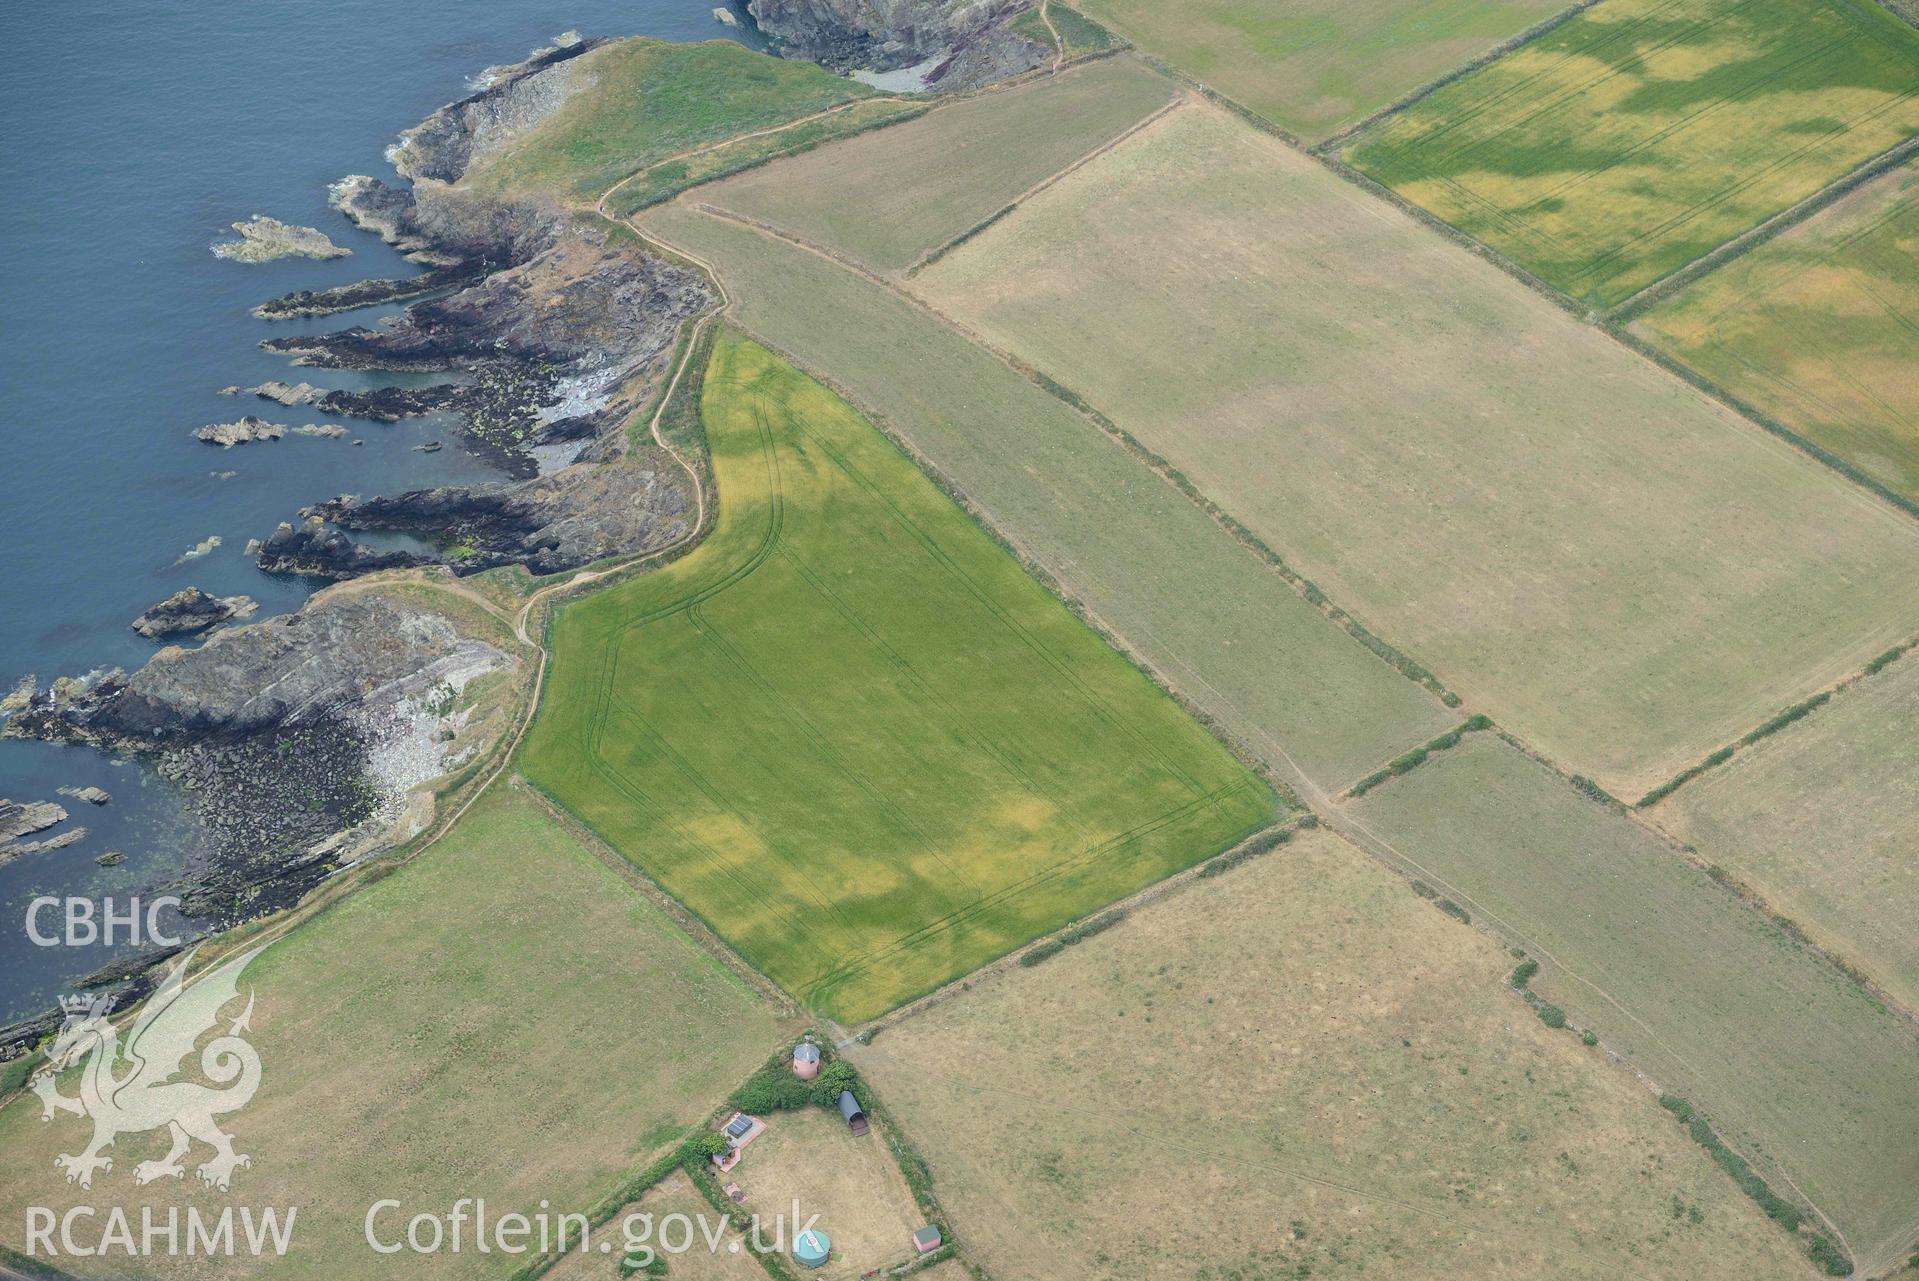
column 636, row 731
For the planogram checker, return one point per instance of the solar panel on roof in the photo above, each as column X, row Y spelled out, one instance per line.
column 739, row 1125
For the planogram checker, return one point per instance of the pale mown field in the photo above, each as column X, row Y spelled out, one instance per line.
column 1822, row 818
column 1801, row 1069
column 1578, row 542
column 1228, row 632
column 1298, row 1069
column 1819, row 327
column 893, row 196
column 1314, row 66
column 1643, row 133
column 502, row 1018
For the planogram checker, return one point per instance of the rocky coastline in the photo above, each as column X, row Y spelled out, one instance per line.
column 963, row 43
column 302, row 742
column 299, row 741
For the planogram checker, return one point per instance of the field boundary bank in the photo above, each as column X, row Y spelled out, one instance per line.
column 1746, row 894
column 1595, row 317
column 1773, row 724
column 690, row 922
column 1636, row 305
column 1765, row 422
column 1384, row 650
column 1407, row 762
column 1356, row 830
column 914, row 107
column 1284, row 787
column 1265, row 841
column 1545, row 26
column 1346, row 825
column 1119, row 139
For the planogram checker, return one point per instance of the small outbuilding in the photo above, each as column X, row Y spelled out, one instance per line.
column 855, row 1116
column 811, row 1248
column 927, row 1239
column 806, row 1060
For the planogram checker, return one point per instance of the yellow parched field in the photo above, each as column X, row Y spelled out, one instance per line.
column 1819, row 328
column 1582, row 545
column 1643, row 133
column 1315, row 66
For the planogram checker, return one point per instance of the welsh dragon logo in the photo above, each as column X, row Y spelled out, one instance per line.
column 130, row 1088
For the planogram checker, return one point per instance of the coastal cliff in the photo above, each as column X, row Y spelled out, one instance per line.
column 968, row 41
column 299, row 740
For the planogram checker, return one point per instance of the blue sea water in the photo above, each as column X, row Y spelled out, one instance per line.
column 131, row 135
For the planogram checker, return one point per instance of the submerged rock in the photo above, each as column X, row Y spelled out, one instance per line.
column 262, row 239
column 191, row 610
column 327, row 431
column 248, row 428
column 205, row 547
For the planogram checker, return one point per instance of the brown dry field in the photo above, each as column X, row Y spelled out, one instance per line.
column 865, row 1207
column 891, row 195
column 503, row 1017
column 1298, row 1065
column 1579, row 543
column 675, row 1194
column 1803, row 1071
column 1822, row 819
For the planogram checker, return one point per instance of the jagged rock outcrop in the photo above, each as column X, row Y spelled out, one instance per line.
column 18, row 819
column 191, row 610
column 316, row 550
column 246, row 430
column 573, row 517
column 968, row 40
column 91, row 795
column 289, row 732
column 262, row 239
column 543, row 347
column 281, row 393
column 446, row 143
column 368, row 293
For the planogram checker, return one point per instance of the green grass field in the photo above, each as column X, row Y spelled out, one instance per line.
column 1316, row 66
column 648, row 100
column 1822, row 818
column 1629, row 141
column 1299, row 1069
column 503, row 1017
column 849, row 731
column 889, row 197
column 1819, row 327
column 717, row 160
column 1544, row 519
column 1803, row 1071
column 1272, row 671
